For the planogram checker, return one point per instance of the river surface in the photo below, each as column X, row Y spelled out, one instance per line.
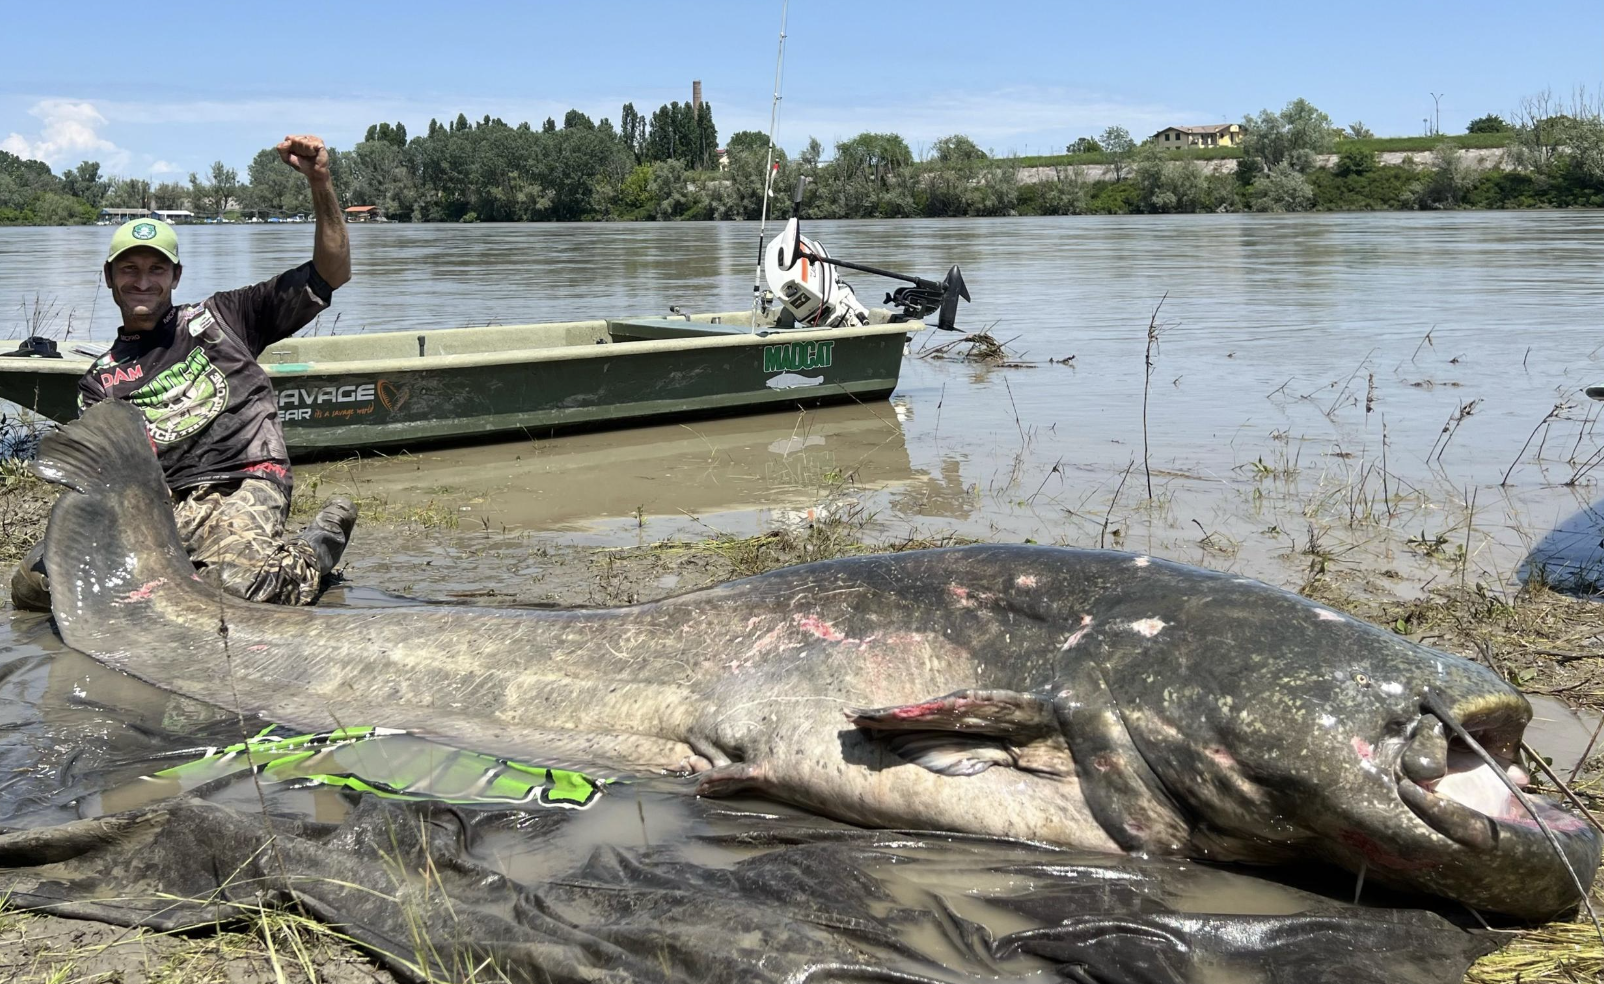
column 1350, row 381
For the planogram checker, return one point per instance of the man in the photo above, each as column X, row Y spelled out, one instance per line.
column 209, row 408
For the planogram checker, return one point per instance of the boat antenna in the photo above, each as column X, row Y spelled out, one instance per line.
column 768, row 169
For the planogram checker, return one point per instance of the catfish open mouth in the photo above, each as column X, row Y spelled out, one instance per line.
column 1458, row 775
column 1469, row 804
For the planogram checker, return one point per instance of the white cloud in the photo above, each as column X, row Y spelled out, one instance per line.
column 164, row 167
column 68, row 135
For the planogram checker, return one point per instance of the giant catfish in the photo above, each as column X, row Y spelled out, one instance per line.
column 1095, row 699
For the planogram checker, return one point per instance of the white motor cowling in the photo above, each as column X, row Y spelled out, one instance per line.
column 811, row 291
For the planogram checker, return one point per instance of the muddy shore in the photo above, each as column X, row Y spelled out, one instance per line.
column 1545, row 642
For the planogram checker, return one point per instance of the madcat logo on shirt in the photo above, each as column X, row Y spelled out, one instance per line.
column 182, row 400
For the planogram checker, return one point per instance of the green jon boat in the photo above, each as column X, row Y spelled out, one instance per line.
column 400, row 388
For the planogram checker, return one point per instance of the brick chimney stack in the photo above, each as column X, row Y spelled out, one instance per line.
column 696, row 94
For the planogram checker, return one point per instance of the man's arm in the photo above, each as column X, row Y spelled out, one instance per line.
column 331, row 252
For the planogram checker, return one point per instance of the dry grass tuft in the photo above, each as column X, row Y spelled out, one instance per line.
column 1559, row 952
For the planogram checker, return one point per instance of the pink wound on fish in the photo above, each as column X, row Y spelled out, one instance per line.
column 819, row 627
column 1078, row 634
column 1362, row 747
column 1025, row 581
column 143, row 592
column 930, row 707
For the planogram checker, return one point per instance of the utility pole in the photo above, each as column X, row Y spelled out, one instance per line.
column 1436, row 102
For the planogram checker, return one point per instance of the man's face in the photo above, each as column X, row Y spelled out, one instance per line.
column 142, row 282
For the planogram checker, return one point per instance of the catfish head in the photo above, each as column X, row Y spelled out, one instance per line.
column 1362, row 752
column 1221, row 718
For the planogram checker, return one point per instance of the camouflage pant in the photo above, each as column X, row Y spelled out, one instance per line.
column 235, row 532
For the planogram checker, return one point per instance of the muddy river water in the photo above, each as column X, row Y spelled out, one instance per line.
column 1391, row 392
column 1369, row 378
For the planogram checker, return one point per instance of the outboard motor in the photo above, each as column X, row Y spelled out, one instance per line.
column 801, row 274
column 806, row 285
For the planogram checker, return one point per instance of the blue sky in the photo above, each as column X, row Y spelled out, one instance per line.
column 200, row 82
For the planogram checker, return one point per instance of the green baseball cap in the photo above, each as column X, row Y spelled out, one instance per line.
column 154, row 233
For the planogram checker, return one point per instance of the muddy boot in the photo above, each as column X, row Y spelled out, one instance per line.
column 329, row 532
column 30, row 587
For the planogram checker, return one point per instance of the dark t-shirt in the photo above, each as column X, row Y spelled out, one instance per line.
column 208, row 404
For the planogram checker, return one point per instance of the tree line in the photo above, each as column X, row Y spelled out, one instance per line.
column 668, row 166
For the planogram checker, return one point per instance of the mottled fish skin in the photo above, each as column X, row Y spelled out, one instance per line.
column 1095, row 699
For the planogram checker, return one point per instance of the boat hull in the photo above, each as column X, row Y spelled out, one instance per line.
column 477, row 383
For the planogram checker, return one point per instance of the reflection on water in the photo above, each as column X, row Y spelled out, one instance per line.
column 750, row 471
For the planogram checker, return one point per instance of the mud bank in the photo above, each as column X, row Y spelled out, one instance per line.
column 1547, row 643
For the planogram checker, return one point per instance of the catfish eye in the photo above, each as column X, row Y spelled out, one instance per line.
column 1361, row 679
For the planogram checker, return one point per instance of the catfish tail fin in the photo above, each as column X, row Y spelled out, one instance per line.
column 111, row 544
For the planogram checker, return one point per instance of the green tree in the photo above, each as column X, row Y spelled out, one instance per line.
column 881, row 154
column 171, row 194
column 1358, row 131
column 706, row 137
column 274, row 187
column 671, row 193
column 128, row 193
column 1082, row 145
column 380, row 175
column 749, row 140
column 1282, row 189
column 216, row 194
column 632, row 130
column 1064, row 194
column 635, row 194
column 810, row 156
column 1119, row 147
column 1448, row 180
column 574, row 119
column 85, row 182
column 956, row 149
column 1488, row 124
column 1354, row 161
column 737, row 193
column 1168, row 186
column 1293, row 136
column 56, row 208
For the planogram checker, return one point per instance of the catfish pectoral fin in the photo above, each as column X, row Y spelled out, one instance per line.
column 949, row 754
column 736, row 777
column 989, row 712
